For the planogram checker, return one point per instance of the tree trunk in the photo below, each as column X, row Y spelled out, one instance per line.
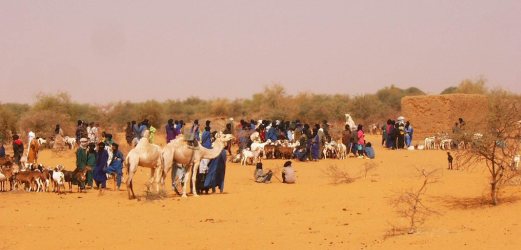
column 493, row 192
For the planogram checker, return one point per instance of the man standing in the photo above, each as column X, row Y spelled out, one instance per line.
column 81, row 158
column 18, row 149
column 170, row 130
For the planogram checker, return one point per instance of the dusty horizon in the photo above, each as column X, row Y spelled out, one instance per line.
column 103, row 52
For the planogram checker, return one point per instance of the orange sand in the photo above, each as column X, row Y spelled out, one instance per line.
column 312, row 214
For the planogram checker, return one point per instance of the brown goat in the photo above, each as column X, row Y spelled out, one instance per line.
column 81, row 177
column 285, row 152
column 8, row 173
column 28, row 178
column 269, row 150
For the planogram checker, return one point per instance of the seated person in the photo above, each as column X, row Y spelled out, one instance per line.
column 288, row 173
column 300, row 154
column 116, row 164
column 259, row 175
column 369, row 151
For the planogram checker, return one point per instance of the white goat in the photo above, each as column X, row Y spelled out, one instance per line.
column 249, row 154
column 58, row 177
column 341, row 150
column 71, row 141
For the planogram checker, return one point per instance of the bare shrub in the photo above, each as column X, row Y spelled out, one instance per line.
column 338, row 176
column 409, row 204
column 7, row 124
column 44, row 122
column 368, row 166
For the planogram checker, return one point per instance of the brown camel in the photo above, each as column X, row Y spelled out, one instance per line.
column 178, row 151
column 146, row 155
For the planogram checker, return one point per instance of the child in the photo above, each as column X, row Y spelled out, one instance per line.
column 260, row 177
column 449, row 158
column 288, row 174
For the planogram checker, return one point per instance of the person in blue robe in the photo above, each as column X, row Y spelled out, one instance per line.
column 116, row 165
column 206, row 138
column 315, row 145
column 101, row 164
column 216, row 172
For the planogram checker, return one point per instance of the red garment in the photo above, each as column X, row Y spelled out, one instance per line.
column 262, row 135
column 18, row 142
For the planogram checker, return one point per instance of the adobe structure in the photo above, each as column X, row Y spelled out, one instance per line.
column 432, row 114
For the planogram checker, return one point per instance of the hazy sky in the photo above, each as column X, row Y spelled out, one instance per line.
column 102, row 51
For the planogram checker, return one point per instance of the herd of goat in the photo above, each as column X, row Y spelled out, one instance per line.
column 283, row 149
column 38, row 178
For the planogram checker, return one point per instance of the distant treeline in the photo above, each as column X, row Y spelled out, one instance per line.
column 272, row 103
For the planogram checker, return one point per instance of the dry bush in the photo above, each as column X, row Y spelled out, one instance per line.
column 7, row 124
column 338, row 176
column 44, row 122
column 368, row 166
column 409, row 204
column 496, row 144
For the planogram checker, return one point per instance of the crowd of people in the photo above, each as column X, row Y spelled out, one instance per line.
column 102, row 156
column 397, row 134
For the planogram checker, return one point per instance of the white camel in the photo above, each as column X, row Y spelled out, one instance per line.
column 178, row 151
column 145, row 155
column 350, row 122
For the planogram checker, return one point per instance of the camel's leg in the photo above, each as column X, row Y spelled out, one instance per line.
column 151, row 179
column 195, row 170
column 130, row 190
column 187, row 180
column 157, row 176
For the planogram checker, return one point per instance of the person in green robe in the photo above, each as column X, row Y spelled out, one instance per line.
column 152, row 133
column 91, row 162
column 81, row 158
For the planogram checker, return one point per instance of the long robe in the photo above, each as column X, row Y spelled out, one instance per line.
column 315, row 147
column 101, row 163
column 206, row 140
column 216, row 172
column 91, row 162
column 34, row 147
column 81, row 158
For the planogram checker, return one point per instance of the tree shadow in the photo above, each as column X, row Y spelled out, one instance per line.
column 469, row 203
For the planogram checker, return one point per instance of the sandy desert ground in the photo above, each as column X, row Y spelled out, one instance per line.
column 312, row 214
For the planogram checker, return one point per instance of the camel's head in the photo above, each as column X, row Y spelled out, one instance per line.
column 223, row 137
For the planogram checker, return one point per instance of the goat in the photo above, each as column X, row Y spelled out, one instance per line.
column 42, row 141
column 3, row 180
column 6, row 161
column 81, row 177
column 68, row 177
column 430, row 142
column 330, row 150
column 269, row 151
column 249, row 155
column 445, row 144
column 27, row 178
column 58, row 178
column 260, row 146
column 9, row 175
column 285, row 152
column 342, row 150
column 70, row 141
